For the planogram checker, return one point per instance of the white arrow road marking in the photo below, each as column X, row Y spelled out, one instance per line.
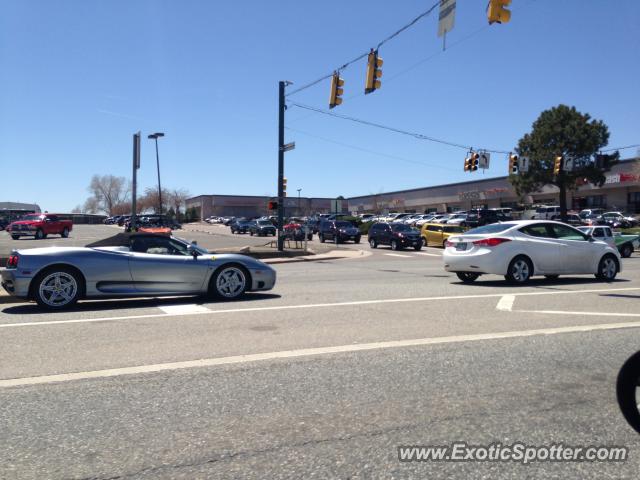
column 304, row 352
column 506, row 303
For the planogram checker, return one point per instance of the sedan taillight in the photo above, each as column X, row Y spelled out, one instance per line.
column 13, row 261
column 449, row 244
column 490, row 242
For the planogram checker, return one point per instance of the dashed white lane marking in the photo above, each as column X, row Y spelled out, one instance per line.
column 397, row 255
column 428, row 254
column 184, row 309
column 317, row 305
column 305, row 352
column 506, row 303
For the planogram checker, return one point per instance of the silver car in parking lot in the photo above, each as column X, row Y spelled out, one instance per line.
column 131, row 265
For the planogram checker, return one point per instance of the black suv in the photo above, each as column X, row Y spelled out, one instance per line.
column 338, row 230
column 398, row 235
column 483, row 216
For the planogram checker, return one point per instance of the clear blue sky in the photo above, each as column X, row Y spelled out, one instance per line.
column 78, row 78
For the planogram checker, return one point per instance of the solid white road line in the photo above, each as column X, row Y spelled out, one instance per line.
column 305, row 352
column 317, row 305
column 506, row 303
column 593, row 314
column 184, row 309
column 397, row 255
column 428, row 254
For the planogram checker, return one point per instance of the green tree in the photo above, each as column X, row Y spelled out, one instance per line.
column 564, row 131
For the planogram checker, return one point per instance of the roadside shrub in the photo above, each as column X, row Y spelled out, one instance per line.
column 364, row 227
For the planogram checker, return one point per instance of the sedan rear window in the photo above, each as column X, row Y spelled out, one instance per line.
column 493, row 228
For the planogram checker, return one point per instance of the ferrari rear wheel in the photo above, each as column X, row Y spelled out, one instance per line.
column 230, row 282
column 57, row 289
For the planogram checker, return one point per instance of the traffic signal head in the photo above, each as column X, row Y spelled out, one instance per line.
column 467, row 164
column 284, row 187
column 374, row 72
column 335, row 97
column 272, row 205
column 557, row 165
column 475, row 160
column 497, row 11
column 513, row 164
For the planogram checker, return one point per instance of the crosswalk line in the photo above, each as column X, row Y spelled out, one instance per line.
column 183, row 309
column 398, row 255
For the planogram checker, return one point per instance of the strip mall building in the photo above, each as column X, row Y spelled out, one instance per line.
column 621, row 191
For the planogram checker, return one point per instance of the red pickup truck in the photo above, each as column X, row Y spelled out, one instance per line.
column 39, row 225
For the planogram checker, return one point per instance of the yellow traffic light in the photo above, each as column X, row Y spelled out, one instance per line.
column 513, row 164
column 284, row 187
column 335, row 97
column 374, row 72
column 475, row 159
column 467, row 164
column 557, row 165
column 497, row 11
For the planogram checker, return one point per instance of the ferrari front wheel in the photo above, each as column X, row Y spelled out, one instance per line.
column 229, row 282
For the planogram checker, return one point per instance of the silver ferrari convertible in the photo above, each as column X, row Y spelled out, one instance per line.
column 130, row 265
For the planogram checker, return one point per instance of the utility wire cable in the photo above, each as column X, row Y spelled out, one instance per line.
column 419, row 136
column 359, row 57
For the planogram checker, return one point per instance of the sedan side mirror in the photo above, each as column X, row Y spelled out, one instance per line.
column 193, row 250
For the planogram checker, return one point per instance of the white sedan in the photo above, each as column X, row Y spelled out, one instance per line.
column 520, row 249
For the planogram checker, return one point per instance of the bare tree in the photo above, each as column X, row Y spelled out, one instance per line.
column 91, row 205
column 178, row 198
column 109, row 190
column 76, row 209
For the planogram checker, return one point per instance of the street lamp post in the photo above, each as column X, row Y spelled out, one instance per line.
column 299, row 200
column 155, row 137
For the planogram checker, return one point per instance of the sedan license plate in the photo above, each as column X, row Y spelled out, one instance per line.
column 461, row 246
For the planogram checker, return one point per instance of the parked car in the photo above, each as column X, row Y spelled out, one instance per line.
column 602, row 233
column 338, row 230
column 396, row 235
column 574, row 219
column 618, row 220
column 483, row 216
column 262, row 228
column 242, row 225
column 39, row 226
column 130, row 265
column 457, row 219
column 521, row 249
column 438, row 233
column 588, row 212
column 547, row 213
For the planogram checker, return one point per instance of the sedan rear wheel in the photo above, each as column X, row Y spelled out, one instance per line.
column 607, row 268
column 230, row 282
column 57, row 289
column 468, row 277
column 519, row 271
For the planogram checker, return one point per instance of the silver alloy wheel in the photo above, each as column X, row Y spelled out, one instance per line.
column 520, row 270
column 231, row 282
column 58, row 289
column 608, row 268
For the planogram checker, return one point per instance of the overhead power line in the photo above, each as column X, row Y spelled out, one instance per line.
column 419, row 136
column 360, row 57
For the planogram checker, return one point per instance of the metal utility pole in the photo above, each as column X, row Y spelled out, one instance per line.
column 155, row 137
column 134, row 182
column 299, row 212
column 281, row 108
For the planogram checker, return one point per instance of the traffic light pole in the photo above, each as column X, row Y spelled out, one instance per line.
column 281, row 108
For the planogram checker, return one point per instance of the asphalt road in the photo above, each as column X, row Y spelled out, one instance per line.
column 322, row 378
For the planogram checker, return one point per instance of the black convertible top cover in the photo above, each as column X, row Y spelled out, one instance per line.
column 122, row 239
